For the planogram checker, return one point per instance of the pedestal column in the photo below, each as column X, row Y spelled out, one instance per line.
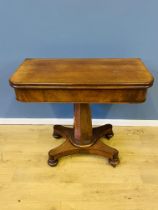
column 83, row 133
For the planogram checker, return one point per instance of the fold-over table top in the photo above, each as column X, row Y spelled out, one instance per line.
column 96, row 73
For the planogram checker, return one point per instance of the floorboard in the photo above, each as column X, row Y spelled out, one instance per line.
column 79, row 182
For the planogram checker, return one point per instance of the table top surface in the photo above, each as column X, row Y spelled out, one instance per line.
column 85, row 73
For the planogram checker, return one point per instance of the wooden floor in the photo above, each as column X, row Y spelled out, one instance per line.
column 79, row 182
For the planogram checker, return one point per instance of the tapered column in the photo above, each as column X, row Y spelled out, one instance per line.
column 83, row 134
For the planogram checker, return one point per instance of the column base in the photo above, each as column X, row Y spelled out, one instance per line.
column 96, row 147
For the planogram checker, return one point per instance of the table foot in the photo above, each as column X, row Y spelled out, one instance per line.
column 63, row 150
column 56, row 136
column 52, row 162
column 99, row 148
column 103, row 131
column 109, row 136
column 61, row 131
column 114, row 162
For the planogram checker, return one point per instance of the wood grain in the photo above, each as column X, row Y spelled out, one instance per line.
column 80, row 182
column 82, row 80
column 81, row 95
column 82, row 138
column 83, row 133
column 71, row 73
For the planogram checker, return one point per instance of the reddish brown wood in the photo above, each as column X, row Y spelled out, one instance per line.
column 82, row 81
column 82, row 138
column 126, row 95
column 82, row 125
column 92, row 73
column 99, row 148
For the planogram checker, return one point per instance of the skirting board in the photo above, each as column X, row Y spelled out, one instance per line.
column 63, row 121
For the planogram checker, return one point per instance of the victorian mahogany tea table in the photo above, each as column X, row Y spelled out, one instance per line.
column 82, row 82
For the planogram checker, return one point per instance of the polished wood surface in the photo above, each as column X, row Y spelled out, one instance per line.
column 82, row 138
column 128, row 95
column 79, row 181
column 83, row 132
column 85, row 73
column 82, row 81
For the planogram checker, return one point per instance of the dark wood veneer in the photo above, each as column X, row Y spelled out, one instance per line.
column 82, row 81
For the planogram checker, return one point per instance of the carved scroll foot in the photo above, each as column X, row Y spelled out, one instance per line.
column 99, row 148
column 67, row 148
column 63, row 150
column 61, row 131
column 52, row 162
column 114, row 161
column 103, row 131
